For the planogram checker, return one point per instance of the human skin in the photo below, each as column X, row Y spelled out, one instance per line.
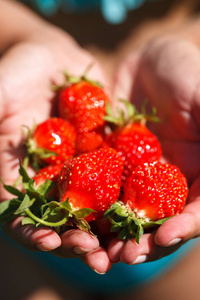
column 166, row 72
column 29, row 64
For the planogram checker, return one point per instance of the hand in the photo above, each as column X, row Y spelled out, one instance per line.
column 166, row 72
column 27, row 71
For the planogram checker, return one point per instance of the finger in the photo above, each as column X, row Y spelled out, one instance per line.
column 98, row 260
column 85, row 64
column 114, row 250
column 180, row 228
column 76, row 243
column 133, row 253
column 43, row 238
column 125, row 75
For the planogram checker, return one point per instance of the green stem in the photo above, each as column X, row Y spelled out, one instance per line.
column 25, row 165
column 46, row 223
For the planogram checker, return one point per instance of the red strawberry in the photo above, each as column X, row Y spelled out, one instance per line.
column 89, row 141
column 155, row 191
column 135, row 144
column 52, row 142
column 91, row 180
column 152, row 193
column 50, row 172
column 83, row 104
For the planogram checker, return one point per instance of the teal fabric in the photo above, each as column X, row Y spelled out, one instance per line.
column 119, row 279
column 114, row 11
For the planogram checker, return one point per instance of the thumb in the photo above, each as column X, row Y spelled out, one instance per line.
column 125, row 77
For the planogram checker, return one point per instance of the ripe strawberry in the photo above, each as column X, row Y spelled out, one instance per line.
column 134, row 142
column 155, row 191
column 50, row 172
column 52, row 142
column 88, row 141
column 83, row 104
column 152, row 193
column 91, row 180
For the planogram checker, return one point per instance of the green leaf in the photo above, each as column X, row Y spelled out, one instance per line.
column 29, row 186
column 124, row 234
column 140, row 232
column 49, row 207
column 7, row 209
column 28, row 221
column 12, row 190
column 83, row 212
column 161, row 221
column 115, row 228
column 24, row 174
column 46, row 187
column 116, row 208
column 53, row 212
column 26, row 203
column 65, row 204
column 131, row 109
column 110, row 115
column 155, row 223
column 132, row 228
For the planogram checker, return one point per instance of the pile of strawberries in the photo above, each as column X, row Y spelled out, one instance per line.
column 91, row 165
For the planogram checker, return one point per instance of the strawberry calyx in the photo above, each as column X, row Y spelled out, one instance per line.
column 70, row 80
column 37, row 154
column 127, row 223
column 129, row 114
column 76, row 79
column 38, row 208
column 34, row 153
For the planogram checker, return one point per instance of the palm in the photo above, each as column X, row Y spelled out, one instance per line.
column 167, row 74
column 26, row 74
column 175, row 95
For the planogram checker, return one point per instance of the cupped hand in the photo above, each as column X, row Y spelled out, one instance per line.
column 166, row 72
column 27, row 71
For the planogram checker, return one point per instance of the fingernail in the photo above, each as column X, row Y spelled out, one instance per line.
column 173, row 242
column 98, row 272
column 80, row 250
column 140, row 259
column 44, row 247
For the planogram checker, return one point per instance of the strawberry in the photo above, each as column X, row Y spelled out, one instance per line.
column 153, row 193
column 91, row 180
column 83, row 104
column 52, row 142
column 89, row 141
column 88, row 184
column 134, row 142
column 50, row 172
